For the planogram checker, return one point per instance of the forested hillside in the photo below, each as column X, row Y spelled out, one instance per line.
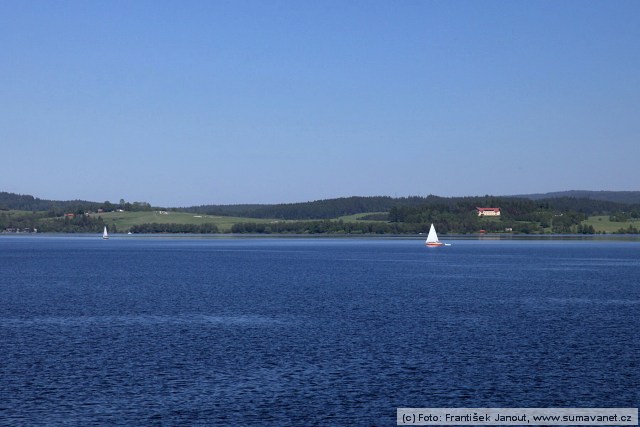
column 21, row 202
column 30, row 203
column 334, row 208
column 318, row 209
column 380, row 214
column 625, row 197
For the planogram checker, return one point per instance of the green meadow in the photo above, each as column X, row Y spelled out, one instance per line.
column 123, row 221
column 360, row 217
column 602, row 224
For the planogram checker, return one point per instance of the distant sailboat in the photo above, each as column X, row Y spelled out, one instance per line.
column 105, row 235
column 432, row 238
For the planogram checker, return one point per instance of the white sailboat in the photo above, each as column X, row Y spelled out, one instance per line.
column 432, row 238
column 105, row 235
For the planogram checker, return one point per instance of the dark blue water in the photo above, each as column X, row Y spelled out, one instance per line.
column 310, row 332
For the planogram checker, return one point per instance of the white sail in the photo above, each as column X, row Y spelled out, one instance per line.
column 432, row 237
column 105, row 235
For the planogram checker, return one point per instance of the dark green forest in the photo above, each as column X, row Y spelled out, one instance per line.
column 318, row 209
column 43, row 223
column 406, row 209
column 328, row 227
column 624, row 197
column 174, row 228
column 517, row 215
column 56, row 208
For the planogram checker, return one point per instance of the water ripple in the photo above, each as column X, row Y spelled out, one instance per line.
column 142, row 320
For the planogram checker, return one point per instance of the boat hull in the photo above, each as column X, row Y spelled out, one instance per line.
column 434, row 244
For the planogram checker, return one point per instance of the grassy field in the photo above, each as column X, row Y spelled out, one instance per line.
column 604, row 225
column 358, row 217
column 125, row 220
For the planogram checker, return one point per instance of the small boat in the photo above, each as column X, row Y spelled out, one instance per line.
column 432, row 238
column 105, row 235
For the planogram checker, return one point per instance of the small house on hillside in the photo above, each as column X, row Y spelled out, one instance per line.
column 488, row 211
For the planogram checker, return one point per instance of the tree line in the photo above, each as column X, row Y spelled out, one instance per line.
column 41, row 222
column 327, row 227
column 56, row 208
column 175, row 228
column 318, row 209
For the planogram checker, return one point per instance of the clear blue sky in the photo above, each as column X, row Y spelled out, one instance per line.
column 194, row 102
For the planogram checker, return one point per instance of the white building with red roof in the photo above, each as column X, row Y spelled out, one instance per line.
column 488, row 211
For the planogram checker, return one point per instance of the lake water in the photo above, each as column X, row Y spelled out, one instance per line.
column 159, row 331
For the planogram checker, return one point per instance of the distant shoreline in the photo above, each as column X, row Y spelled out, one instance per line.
column 284, row 236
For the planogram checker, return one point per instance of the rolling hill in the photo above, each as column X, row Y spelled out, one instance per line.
column 627, row 197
